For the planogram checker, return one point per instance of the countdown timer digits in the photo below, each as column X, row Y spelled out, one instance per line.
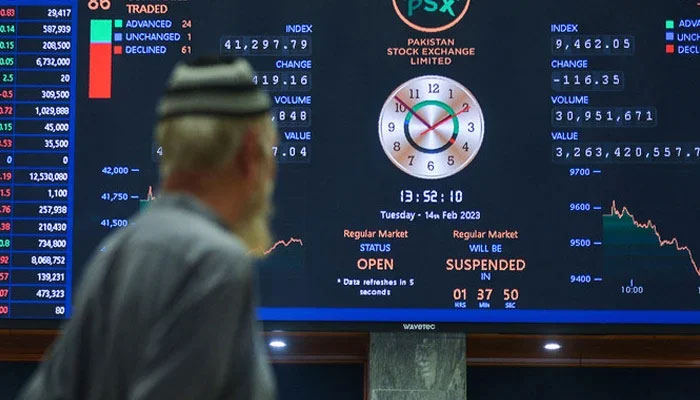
column 431, row 127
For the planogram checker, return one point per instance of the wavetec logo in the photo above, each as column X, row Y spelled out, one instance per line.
column 431, row 15
column 419, row 327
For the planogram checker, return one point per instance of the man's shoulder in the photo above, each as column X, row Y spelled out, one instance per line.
column 181, row 225
column 189, row 256
column 187, row 238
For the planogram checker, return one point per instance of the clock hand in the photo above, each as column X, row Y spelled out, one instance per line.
column 442, row 121
column 415, row 114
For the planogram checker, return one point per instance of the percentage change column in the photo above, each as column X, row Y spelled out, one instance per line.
column 37, row 112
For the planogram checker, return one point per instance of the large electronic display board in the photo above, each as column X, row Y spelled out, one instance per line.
column 440, row 161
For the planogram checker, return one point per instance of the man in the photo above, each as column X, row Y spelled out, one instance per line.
column 167, row 310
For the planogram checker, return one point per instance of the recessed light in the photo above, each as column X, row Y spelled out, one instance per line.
column 552, row 346
column 278, row 344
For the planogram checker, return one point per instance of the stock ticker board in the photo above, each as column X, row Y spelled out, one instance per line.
column 460, row 161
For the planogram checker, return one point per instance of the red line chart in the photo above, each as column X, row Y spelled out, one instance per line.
column 144, row 203
column 284, row 243
column 621, row 213
column 150, row 196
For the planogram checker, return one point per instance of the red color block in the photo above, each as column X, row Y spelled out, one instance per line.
column 670, row 49
column 100, row 83
column 117, row 49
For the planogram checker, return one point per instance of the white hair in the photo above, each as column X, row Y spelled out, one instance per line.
column 205, row 142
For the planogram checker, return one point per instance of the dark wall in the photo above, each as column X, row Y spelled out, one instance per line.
column 12, row 378
column 320, row 381
column 344, row 382
column 500, row 383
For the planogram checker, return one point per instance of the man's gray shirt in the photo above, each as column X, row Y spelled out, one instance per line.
column 165, row 311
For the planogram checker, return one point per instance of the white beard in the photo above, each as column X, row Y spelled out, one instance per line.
column 254, row 228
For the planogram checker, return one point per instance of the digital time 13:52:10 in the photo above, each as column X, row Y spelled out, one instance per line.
column 432, row 196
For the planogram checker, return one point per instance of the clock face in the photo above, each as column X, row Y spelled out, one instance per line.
column 431, row 127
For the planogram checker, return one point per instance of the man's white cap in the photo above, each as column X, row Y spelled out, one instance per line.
column 213, row 86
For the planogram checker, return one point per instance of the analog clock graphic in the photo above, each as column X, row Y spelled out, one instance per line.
column 431, row 127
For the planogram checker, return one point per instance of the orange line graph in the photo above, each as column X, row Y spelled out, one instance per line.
column 285, row 243
column 614, row 212
column 145, row 203
column 150, row 196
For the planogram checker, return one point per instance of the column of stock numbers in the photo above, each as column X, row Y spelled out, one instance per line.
column 284, row 69
column 37, row 106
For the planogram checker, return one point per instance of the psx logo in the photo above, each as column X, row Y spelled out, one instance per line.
column 431, row 6
column 431, row 15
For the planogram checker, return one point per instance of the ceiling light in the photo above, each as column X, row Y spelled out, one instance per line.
column 552, row 346
column 278, row 344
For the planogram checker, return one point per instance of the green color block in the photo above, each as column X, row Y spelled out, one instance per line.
column 118, row 23
column 144, row 204
column 101, row 31
column 670, row 24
